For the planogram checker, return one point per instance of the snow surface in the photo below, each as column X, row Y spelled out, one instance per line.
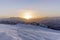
column 27, row 32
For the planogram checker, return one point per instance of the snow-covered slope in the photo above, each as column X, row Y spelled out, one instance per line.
column 52, row 22
column 27, row 32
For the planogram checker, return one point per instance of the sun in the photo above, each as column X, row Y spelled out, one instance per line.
column 27, row 15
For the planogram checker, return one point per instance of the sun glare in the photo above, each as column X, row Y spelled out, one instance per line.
column 27, row 15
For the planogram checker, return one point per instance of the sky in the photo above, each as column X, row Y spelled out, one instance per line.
column 48, row 8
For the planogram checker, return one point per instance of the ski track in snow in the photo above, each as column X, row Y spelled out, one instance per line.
column 25, row 32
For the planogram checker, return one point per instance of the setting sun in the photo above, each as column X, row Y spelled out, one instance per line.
column 27, row 15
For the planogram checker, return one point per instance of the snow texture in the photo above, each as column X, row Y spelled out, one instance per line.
column 27, row 32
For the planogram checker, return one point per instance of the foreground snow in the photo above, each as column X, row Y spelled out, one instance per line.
column 27, row 32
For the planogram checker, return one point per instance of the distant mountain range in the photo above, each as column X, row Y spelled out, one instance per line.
column 49, row 22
